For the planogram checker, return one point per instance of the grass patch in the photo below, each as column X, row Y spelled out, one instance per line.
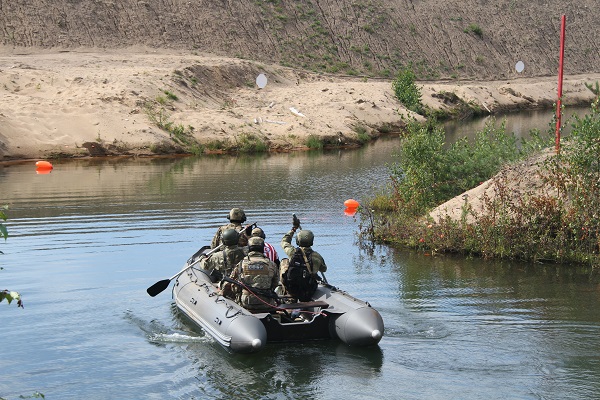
column 362, row 134
column 182, row 135
column 170, row 95
column 216, row 145
column 386, row 128
column 250, row 143
column 314, row 142
column 474, row 28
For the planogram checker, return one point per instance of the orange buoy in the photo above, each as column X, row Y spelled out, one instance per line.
column 43, row 171
column 351, row 203
column 43, row 165
column 350, row 211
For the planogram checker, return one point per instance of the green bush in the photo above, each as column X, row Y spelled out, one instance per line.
column 554, row 219
column 476, row 29
column 407, row 91
column 170, row 95
column 429, row 173
column 314, row 142
column 250, row 143
column 362, row 135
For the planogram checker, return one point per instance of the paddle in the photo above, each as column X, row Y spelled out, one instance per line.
column 162, row 285
column 324, row 279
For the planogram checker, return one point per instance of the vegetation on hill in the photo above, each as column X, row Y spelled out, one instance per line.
column 467, row 39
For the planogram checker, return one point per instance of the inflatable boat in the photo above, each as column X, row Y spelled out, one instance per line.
column 331, row 314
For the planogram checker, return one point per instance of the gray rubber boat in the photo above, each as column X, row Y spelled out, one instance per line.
column 332, row 314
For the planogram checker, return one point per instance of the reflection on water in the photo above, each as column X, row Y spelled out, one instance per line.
column 520, row 123
column 296, row 370
column 90, row 237
column 517, row 328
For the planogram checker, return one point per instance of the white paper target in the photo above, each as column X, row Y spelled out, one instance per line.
column 520, row 66
column 261, row 81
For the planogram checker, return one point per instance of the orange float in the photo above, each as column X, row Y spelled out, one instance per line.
column 350, row 211
column 351, row 203
column 43, row 165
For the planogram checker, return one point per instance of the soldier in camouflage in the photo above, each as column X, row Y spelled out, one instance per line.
column 270, row 251
column 313, row 261
column 236, row 218
column 259, row 277
column 221, row 263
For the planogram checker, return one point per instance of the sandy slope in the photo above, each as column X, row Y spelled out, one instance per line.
column 53, row 103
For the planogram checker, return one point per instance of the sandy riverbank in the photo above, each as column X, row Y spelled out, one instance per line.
column 71, row 103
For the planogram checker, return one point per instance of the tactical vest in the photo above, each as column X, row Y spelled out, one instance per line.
column 255, row 272
column 222, row 263
column 298, row 280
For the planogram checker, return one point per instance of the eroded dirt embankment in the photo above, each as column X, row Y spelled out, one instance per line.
column 440, row 39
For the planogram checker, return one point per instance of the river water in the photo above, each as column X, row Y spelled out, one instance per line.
column 90, row 237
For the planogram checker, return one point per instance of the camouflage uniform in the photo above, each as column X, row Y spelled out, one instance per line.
column 259, row 273
column 223, row 261
column 236, row 217
column 216, row 241
column 269, row 250
column 318, row 263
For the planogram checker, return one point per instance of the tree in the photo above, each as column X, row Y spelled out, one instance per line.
column 407, row 91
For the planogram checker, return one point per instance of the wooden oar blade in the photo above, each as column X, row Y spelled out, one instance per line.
column 158, row 287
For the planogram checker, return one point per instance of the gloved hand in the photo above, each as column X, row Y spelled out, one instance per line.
column 248, row 230
column 295, row 222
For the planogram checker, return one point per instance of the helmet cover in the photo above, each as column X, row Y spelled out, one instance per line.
column 305, row 238
column 236, row 215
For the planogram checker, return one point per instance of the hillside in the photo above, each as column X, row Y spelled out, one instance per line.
column 442, row 39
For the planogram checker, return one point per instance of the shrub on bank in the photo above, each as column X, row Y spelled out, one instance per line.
column 556, row 220
column 407, row 91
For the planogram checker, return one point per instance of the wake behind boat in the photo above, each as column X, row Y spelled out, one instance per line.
column 331, row 313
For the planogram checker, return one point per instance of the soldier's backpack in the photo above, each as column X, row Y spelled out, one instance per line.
column 298, row 280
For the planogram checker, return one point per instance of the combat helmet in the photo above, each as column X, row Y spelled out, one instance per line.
column 305, row 238
column 258, row 232
column 256, row 243
column 237, row 215
column 230, row 237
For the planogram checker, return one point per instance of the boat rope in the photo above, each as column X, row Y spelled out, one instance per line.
column 229, row 308
column 251, row 291
column 221, row 299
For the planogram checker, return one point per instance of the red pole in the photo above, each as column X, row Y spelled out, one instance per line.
column 560, row 81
